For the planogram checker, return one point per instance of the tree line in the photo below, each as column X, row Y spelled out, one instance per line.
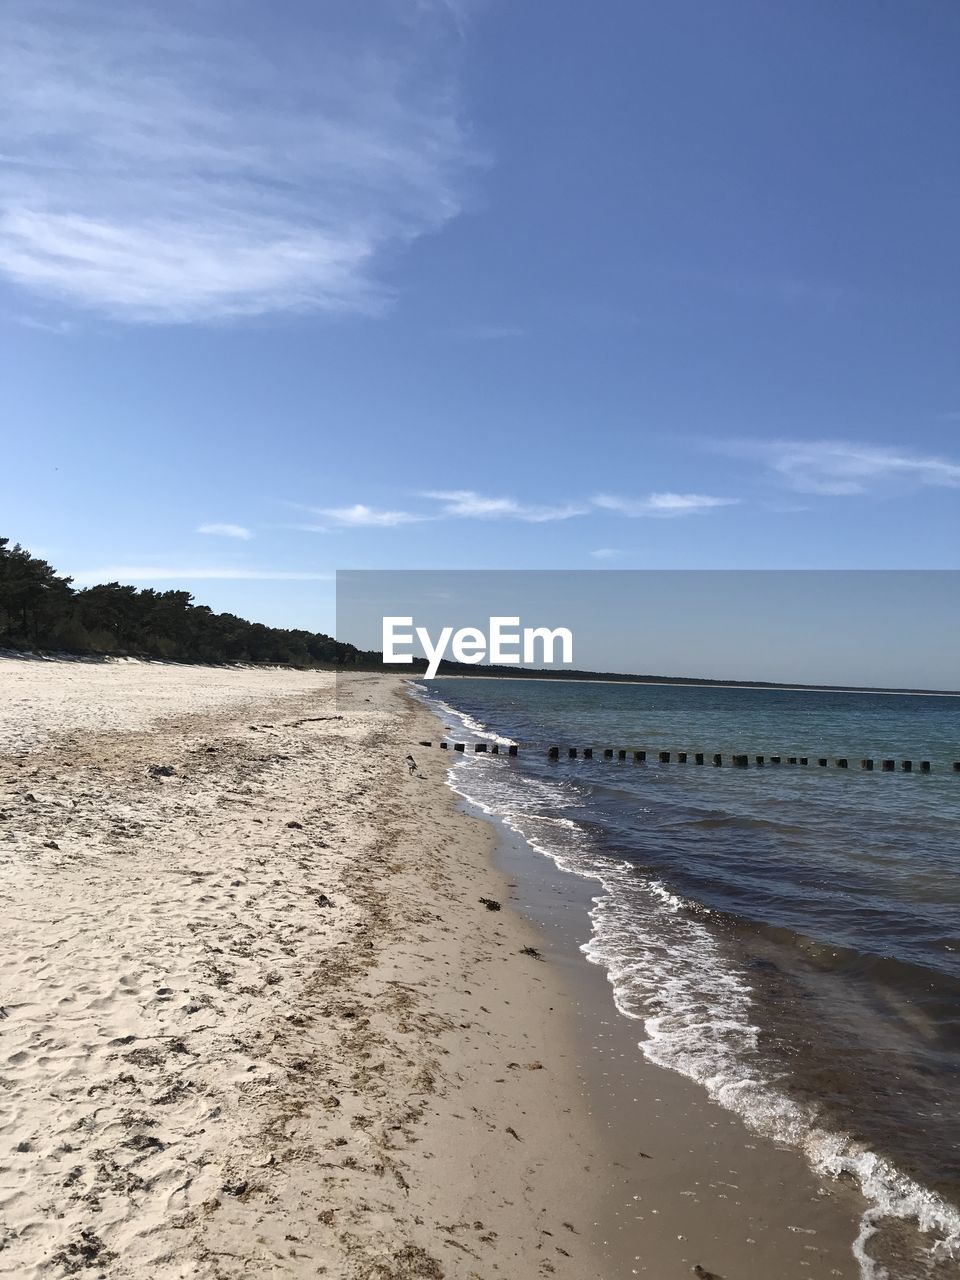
column 41, row 610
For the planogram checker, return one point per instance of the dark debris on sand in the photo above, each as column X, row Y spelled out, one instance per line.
column 88, row 1251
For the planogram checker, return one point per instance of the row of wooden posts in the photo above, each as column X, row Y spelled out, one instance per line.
column 698, row 757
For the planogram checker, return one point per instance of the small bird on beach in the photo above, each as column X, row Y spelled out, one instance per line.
column 411, row 764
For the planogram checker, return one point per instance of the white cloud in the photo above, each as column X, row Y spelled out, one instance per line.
column 464, row 503
column 226, row 531
column 467, row 504
column 662, row 504
column 164, row 573
column 839, row 468
column 184, row 163
column 359, row 516
column 607, row 553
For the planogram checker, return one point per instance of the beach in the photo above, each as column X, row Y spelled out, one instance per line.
column 246, row 1000
column 259, row 1021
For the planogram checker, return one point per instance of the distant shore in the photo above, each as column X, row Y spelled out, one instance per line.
column 702, row 684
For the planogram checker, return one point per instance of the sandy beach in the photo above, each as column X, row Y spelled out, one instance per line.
column 257, row 1020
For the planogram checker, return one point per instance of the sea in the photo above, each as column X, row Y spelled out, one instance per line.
column 788, row 936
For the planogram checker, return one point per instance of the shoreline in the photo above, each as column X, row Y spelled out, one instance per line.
column 688, row 1183
column 887, row 1195
column 260, row 1023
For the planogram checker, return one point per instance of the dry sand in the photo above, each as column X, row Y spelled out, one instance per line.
column 257, row 1021
column 259, row 1024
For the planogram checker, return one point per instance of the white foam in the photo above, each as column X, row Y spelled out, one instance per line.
column 469, row 723
column 696, row 1013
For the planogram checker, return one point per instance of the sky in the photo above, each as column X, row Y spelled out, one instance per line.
column 450, row 284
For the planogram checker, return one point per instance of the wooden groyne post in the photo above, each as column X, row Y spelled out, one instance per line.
column 738, row 760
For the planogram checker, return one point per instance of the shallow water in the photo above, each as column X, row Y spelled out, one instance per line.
column 788, row 936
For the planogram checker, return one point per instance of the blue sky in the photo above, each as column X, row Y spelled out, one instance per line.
column 414, row 284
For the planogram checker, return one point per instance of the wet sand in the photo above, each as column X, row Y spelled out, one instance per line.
column 688, row 1183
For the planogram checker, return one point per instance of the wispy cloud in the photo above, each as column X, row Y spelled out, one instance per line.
column 607, row 553
column 465, row 504
column 226, row 531
column 185, row 573
column 786, row 508
column 662, row 504
column 176, row 163
column 360, row 516
column 60, row 328
column 839, row 468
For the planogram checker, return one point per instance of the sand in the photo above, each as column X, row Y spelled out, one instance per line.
column 258, row 1022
